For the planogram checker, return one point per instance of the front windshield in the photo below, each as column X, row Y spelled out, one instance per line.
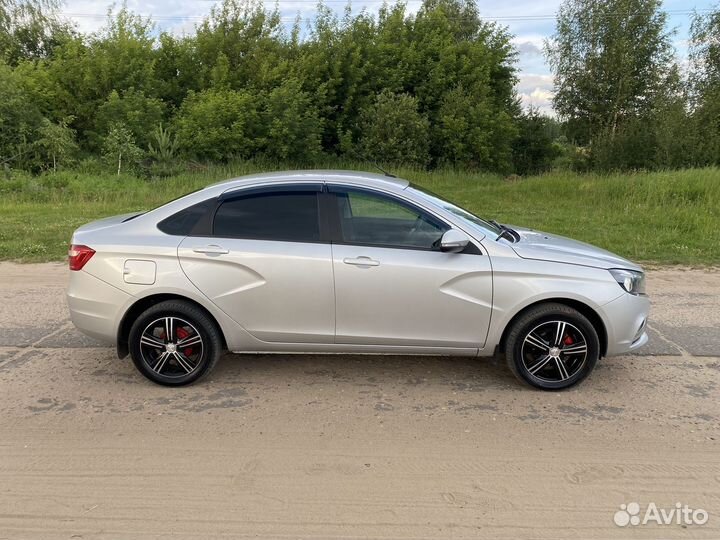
column 470, row 219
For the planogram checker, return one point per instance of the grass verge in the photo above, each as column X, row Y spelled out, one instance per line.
column 660, row 218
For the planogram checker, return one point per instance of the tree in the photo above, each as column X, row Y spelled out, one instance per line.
column 242, row 85
column 534, row 149
column 163, row 145
column 56, row 141
column 119, row 146
column 176, row 68
column 30, row 29
column 121, row 55
column 611, row 60
column 243, row 42
column 705, row 86
column 394, row 131
column 20, row 119
column 348, row 61
column 705, row 52
column 162, row 151
column 134, row 110
column 337, row 66
column 86, row 70
column 464, row 76
column 705, row 120
column 469, row 132
column 219, row 124
column 291, row 124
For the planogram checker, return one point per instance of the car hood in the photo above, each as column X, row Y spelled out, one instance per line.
column 537, row 245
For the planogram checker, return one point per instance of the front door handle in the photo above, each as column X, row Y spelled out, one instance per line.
column 211, row 250
column 362, row 261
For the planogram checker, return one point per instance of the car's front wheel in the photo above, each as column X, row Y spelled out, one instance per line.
column 552, row 347
column 174, row 343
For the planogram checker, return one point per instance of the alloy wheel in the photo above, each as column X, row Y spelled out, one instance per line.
column 171, row 347
column 554, row 351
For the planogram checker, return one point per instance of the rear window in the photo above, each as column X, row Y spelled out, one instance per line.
column 290, row 216
column 190, row 220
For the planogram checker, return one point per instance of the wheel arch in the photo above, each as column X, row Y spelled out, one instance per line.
column 134, row 311
column 587, row 311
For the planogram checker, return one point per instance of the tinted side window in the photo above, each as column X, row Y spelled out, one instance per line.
column 185, row 222
column 369, row 218
column 282, row 216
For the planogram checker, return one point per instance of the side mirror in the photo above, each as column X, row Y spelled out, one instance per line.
column 454, row 241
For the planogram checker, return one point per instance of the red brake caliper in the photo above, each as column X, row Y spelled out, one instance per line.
column 568, row 340
column 182, row 334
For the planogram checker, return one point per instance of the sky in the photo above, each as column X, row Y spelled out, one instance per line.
column 529, row 21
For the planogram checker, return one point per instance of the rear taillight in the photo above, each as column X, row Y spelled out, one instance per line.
column 78, row 256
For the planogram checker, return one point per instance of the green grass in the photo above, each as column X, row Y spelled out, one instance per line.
column 659, row 218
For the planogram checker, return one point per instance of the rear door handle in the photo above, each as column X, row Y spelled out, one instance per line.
column 362, row 261
column 211, row 250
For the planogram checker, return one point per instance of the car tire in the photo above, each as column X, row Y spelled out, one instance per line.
column 552, row 347
column 175, row 343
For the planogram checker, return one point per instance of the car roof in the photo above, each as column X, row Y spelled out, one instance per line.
column 349, row 177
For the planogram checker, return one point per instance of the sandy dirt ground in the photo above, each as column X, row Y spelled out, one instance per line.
column 339, row 447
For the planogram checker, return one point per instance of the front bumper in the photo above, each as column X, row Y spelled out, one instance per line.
column 95, row 306
column 626, row 321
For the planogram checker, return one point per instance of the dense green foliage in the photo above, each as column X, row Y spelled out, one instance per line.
column 619, row 89
column 244, row 86
column 535, row 149
column 394, row 130
column 664, row 217
column 705, row 87
column 120, row 148
column 29, row 30
column 612, row 61
column 434, row 88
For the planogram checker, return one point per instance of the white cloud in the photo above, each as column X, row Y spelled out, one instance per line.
column 536, row 90
column 528, row 48
column 529, row 41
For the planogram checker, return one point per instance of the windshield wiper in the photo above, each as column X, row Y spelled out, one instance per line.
column 505, row 232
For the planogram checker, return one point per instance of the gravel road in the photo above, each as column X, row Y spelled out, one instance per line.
column 300, row 446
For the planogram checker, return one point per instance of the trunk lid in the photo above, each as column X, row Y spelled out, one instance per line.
column 106, row 222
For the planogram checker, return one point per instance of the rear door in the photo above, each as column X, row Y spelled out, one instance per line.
column 266, row 264
column 394, row 287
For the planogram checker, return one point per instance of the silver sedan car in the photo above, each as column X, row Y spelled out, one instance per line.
column 347, row 262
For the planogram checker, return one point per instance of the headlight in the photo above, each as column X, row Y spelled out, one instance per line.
column 633, row 282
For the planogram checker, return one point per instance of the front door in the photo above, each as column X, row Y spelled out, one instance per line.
column 394, row 287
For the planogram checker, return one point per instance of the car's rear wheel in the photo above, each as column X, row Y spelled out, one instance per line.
column 174, row 343
column 552, row 347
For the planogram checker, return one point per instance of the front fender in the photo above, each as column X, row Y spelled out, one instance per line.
column 519, row 283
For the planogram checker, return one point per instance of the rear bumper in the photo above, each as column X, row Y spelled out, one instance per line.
column 626, row 318
column 95, row 306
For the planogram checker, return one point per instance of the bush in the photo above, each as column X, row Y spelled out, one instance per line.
column 20, row 120
column 705, row 122
column 571, row 157
column 219, row 124
column 393, row 131
column 628, row 147
column 133, row 109
column 534, row 150
column 119, row 148
column 162, row 169
column 163, row 145
column 56, row 143
column 471, row 132
column 292, row 125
